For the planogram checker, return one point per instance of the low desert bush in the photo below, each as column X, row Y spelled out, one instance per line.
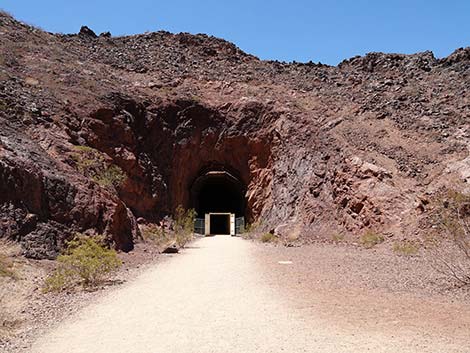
column 268, row 238
column 451, row 254
column 6, row 267
column 157, row 235
column 406, row 248
column 184, row 225
column 154, row 233
column 86, row 262
column 248, row 235
column 111, row 175
column 251, row 227
column 370, row 239
column 338, row 237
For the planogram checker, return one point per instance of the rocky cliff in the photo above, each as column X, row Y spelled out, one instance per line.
column 97, row 131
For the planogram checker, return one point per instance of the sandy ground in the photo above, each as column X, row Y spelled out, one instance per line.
column 225, row 294
column 26, row 312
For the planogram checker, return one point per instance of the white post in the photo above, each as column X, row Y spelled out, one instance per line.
column 207, row 224
column 232, row 224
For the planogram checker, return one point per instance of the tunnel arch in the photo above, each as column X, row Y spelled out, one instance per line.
column 218, row 189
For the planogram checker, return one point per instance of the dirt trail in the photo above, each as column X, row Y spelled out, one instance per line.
column 212, row 298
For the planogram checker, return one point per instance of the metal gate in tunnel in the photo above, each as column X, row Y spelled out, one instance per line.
column 202, row 226
column 239, row 225
column 199, row 226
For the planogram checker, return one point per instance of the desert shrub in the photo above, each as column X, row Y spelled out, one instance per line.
column 451, row 255
column 268, row 238
column 337, row 237
column 247, row 236
column 152, row 232
column 91, row 163
column 251, row 227
column 62, row 278
column 184, row 225
column 370, row 239
column 86, row 261
column 6, row 267
column 157, row 235
column 407, row 248
column 111, row 175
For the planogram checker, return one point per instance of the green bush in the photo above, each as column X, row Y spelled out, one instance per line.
column 184, row 225
column 112, row 175
column 370, row 239
column 86, row 262
column 91, row 163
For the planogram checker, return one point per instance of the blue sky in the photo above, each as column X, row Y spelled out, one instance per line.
column 301, row 30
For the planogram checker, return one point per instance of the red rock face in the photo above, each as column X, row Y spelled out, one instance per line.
column 179, row 141
column 98, row 131
column 43, row 205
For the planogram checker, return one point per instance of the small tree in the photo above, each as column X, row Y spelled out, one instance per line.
column 454, row 219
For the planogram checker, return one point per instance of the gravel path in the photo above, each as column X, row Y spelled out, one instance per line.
column 217, row 296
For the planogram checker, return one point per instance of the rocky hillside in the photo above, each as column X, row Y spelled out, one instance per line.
column 99, row 131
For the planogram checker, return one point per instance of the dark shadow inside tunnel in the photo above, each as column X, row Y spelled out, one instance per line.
column 218, row 192
column 220, row 224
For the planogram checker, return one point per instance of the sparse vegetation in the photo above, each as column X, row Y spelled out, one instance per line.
column 152, row 232
column 268, row 238
column 370, row 239
column 86, row 262
column 406, row 248
column 6, row 267
column 156, row 235
column 247, row 235
column 195, row 98
column 451, row 255
column 91, row 163
column 182, row 234
column 112, row 175
column 338, row 237
column 3, row 106
column 251, row 227
column 184, row 225
column 292, row 237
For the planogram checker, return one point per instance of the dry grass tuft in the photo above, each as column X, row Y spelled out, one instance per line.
column 268, row 238
column 370, row 239
column 6, row 267
column 406, row 248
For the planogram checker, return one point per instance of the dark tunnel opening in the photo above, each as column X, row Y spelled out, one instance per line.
column 218, row 192
column 220, row 224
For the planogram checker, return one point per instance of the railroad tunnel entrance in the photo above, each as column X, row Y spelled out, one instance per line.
column 218, row 198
